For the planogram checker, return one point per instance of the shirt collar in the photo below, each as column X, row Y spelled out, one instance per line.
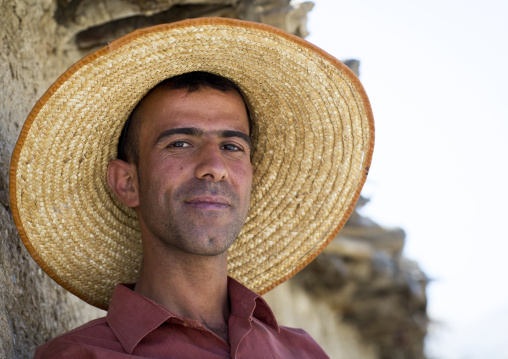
column 246, row 304
column 132, row 316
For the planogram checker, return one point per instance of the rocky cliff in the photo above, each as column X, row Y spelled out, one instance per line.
column 360, row 298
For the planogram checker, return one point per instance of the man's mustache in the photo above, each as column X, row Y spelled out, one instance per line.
column 197, row 188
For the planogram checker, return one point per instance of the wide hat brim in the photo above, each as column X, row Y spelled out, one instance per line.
column 313, row 139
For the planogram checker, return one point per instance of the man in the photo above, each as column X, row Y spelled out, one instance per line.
column 228, row 173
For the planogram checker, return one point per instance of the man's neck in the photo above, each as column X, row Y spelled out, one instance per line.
column 188, row 285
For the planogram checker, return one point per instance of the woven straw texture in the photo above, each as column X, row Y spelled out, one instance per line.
column 313, row 142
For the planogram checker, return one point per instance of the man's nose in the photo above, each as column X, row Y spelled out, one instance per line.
column 211, row 164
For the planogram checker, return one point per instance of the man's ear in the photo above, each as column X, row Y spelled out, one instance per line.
column 123, row 180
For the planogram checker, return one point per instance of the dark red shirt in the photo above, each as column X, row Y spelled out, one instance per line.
column 136, row 326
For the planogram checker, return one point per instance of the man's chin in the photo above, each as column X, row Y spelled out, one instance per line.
column 209, row 235
column 208, row 248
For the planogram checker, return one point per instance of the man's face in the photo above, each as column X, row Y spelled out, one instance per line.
column 194, row 169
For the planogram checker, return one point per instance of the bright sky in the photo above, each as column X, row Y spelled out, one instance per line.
column 436, row 73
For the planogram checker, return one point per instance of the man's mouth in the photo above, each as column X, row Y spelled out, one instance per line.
column 208, row 202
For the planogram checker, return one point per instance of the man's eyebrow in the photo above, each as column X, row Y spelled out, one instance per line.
column 193, row 131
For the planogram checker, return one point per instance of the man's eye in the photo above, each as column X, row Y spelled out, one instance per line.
column 231, row 147
column 179, row 144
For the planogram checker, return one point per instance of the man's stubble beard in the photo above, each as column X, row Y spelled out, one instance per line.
column 188, row 233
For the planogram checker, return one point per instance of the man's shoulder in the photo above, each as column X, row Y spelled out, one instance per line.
column 285, row 342
column 76, row 342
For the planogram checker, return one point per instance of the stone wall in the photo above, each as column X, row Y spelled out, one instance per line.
column 39, row 39
column 32, row 307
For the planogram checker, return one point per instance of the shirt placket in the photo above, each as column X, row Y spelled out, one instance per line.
column 197, row 326
column 239, row 328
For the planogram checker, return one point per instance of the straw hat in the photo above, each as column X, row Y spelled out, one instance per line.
column 314, row 137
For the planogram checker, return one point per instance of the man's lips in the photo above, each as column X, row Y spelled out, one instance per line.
column 208, row 202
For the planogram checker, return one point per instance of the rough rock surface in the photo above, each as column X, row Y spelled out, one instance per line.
column 32, row 307
column 373, row 297
column 39, row 39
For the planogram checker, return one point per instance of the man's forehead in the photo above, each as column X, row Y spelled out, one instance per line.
column 204, row 111
column 182, row 102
